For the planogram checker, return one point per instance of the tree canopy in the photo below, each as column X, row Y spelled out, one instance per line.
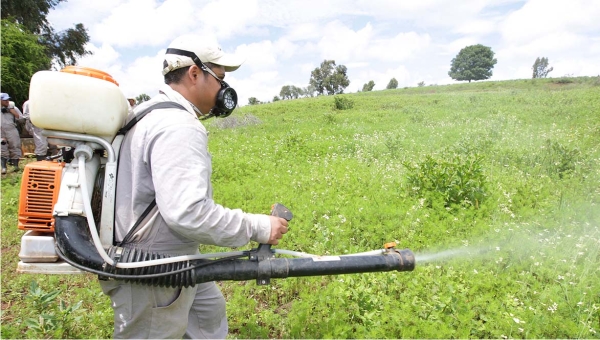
column 473, row 62
column 30, row 44
column 540, row 68
column 22, row 56
column 329, row 78
column 142, row 98
column 393, row 84
column 65, row 46
column 368, row 86
column 291, row 92
column 253, row 101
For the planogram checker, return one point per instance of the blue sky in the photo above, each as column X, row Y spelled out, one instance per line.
column 284, row 40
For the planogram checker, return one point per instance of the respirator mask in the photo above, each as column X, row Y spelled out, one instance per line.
column 226, row 97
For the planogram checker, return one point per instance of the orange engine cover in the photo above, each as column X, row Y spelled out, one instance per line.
column 39, row 191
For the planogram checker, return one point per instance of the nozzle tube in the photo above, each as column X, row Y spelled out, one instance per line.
column 241, row 270
column 74, row 245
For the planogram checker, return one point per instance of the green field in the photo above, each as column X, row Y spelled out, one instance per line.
column 494, row 185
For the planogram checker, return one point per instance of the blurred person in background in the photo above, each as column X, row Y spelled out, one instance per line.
column 9, row 134
column 40, row 141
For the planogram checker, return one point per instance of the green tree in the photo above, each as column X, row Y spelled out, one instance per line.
column 393, row 84
column 22, row 56
column 421, row 84
column 291, row 92
column 142, row 98
column 540, row 68
column 286, row 92
column 253, row 101
column 368, row 86
column 63, row 47
column 309, row 91
column 329, row 78
column 276, row 99
column 473, row 62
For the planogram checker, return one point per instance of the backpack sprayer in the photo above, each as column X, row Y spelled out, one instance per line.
column 67, row 207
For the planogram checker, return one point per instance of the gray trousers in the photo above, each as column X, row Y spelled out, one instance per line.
column 40, row 141
column 146, row 312
column 12, row 148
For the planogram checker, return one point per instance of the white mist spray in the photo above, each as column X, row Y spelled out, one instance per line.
column 464, row 252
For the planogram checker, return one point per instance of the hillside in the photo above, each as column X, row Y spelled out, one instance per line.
column 493, row 185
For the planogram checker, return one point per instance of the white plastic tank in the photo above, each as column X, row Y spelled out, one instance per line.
column 77, row 99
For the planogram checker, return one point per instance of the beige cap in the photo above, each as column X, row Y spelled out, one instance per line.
column 208, row 50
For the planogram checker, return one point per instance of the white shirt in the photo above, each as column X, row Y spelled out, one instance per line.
column 165, row 155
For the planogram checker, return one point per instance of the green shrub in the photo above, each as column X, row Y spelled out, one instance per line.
column 563, row 80
column 458, row 181
column 343, row 103
column 558, row 159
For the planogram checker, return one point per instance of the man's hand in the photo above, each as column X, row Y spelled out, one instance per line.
column 279, row 226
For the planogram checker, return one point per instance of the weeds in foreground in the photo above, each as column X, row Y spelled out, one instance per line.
column 54, row 318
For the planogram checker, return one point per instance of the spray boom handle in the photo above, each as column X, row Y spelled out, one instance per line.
column 264, row 250
column 280, row 210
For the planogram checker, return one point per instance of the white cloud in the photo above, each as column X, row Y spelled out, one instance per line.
column 342, row 43
column 145, row 23
column 430, row 13
column 477, row 27
column 261, row 85
column 347, row 46
column 540, row 17
column 266, row 54
column 143, row 76
column 357, row 65
column 104, row 58
column 452, row 48
column 304, row 31
column 546, row 45
column 66, row 14
column 227, row 17
column 261, row 55
column 306, row 68
column 398, row 48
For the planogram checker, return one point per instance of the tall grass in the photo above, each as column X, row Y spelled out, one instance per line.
column 494, row 185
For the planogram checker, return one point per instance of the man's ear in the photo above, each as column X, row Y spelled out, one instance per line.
column 194, row 72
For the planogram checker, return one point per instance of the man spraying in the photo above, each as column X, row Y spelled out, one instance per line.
column 164, row 159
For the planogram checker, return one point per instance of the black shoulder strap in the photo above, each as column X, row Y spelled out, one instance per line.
column 123, row 131
column 143, row 113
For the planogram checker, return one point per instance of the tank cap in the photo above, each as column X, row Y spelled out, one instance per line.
column 90, row 72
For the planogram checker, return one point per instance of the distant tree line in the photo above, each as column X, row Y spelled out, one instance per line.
column 472, row 63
